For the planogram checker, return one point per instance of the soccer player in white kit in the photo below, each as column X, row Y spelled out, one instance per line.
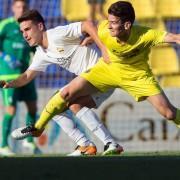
column 61, row 46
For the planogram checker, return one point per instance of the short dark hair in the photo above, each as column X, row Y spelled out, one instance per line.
column 124, row 10
column 32, row 15
column 14, row 1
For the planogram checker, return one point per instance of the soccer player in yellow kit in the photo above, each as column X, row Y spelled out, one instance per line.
column 127, row 50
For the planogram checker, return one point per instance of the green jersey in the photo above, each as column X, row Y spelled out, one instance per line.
column 14, row 51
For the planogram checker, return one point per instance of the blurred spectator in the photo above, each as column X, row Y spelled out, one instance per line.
column 14, row 59
column 96, row 9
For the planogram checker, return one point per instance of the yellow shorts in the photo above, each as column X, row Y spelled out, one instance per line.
column 138, row 83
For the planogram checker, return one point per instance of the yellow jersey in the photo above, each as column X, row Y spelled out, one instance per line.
column 135, row 52
column 129, row 69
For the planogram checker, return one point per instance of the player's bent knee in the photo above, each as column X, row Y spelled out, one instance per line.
column 75, row 108
column 170, row 115
column 65, row 93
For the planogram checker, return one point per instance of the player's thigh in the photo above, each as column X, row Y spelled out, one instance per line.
column 9, row 97
column 102, row 76
column 76, row 88
column 141, row 88
column 79, row 103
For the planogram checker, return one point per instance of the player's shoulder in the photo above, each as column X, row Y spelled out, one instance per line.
column 65, row 27
column 59, row 30
column 6, row 22
column 139, row 29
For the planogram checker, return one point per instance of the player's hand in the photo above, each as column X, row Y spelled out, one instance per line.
column 105, row 56
column 86, row 41
column 4, row 84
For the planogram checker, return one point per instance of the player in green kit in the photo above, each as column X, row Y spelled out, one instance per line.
column 14, row 59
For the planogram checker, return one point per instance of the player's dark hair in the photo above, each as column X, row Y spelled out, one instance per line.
column 14, row 1
column 32, row 15
column 124, row 10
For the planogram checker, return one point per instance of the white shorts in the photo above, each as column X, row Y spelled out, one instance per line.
column 100, row 97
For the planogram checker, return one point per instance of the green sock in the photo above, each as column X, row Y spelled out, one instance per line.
column 6, row 127
column 30, row 119
column 177, row 120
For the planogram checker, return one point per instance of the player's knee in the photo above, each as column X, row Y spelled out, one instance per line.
column 170, row 115
column 11, row 110
column 65, row 94
column 75, row 108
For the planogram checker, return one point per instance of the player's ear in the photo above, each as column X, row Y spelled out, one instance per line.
column 127, row 25
column 41, row 26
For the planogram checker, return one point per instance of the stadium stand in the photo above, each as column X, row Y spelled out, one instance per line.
column 164, row 63
column 145, row 9
column 156, row 23
column 171, row 81
column 168, row 9
column 74, row 11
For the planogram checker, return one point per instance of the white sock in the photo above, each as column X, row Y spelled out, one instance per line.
column 69, row 127
column 91, row 120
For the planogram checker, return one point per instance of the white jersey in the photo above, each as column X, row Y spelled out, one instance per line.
column 64, row 50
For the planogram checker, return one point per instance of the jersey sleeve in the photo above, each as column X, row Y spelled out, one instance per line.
column 2, row 33
column 156, row 36
column 38, row 62
column 2, row 25
column 72, row 30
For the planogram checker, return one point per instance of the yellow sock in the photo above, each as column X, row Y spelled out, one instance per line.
column 177, row 120
column 55, row 106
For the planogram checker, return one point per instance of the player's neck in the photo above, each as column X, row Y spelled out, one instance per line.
column 44, row 40
column 123, row 38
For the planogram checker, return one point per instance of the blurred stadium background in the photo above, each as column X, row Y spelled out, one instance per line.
column 136, row 126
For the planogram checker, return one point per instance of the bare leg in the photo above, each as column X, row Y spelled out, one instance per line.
column 78, row 87
column 163, row 106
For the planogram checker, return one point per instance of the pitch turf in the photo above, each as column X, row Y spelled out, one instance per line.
column 125, row 154
column 128, row 166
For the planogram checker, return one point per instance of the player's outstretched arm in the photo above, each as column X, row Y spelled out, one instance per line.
column 172, row 38
column 22, row 80
column 89, row 28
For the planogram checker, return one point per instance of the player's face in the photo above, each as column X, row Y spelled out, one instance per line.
column 32, row 32
column 116, row 27
column 18, row 8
